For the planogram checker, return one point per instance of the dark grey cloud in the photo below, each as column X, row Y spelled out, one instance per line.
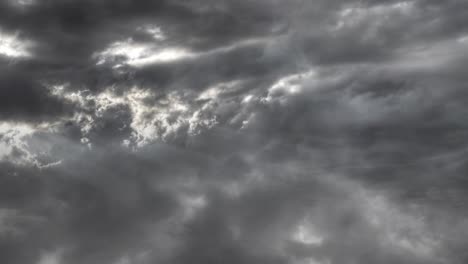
column 25, row 99
column 233, row 131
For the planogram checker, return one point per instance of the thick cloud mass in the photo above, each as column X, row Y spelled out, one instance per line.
column 243, row 131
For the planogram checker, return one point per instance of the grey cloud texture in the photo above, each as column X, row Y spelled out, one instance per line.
column 142, row 132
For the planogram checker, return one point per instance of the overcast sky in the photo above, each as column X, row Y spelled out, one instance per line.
column 233, row 132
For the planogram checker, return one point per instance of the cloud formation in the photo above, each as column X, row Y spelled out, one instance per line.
column 266, row 131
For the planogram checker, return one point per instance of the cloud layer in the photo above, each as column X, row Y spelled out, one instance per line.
column 138, row 132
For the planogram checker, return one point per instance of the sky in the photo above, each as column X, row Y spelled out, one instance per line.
column 233, row 131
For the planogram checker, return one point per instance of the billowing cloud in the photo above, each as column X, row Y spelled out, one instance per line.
column 315, row 132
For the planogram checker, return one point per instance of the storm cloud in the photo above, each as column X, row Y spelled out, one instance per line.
column 219, row 131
